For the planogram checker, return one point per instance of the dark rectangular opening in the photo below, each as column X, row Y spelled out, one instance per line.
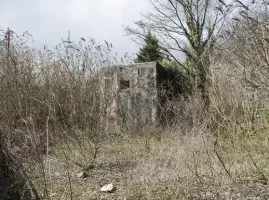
column 124, row 84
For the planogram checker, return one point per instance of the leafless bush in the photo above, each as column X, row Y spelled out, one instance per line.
column 243, row 59
column 53, row 96
column 54, row 103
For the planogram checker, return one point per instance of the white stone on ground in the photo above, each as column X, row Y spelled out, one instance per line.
column 108, row 188
column 83, row 174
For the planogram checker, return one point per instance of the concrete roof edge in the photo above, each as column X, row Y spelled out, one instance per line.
column 153, row 63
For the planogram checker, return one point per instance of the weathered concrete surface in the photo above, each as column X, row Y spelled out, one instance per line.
column 133, row 92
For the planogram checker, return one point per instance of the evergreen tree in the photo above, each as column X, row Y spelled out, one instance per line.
column 151, row 50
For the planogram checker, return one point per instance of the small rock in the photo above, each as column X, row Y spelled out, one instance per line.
column 108, row 188
column 54, row 194
column 57, row 174
column 83, row 174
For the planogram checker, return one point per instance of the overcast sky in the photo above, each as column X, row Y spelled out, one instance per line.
column 50, row 20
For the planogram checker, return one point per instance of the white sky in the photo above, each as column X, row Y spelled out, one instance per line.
column 50, row 20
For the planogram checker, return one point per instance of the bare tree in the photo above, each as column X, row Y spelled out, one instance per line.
column 186, row 26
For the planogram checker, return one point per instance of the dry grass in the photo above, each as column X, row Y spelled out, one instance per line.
column 52, row 125
column 176, row 167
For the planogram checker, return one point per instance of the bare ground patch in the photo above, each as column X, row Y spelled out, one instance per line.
column 176, row 167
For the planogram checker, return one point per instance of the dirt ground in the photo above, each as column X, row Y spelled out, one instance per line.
column 140, row 173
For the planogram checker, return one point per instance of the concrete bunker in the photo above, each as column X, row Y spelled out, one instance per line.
column 136, row 92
